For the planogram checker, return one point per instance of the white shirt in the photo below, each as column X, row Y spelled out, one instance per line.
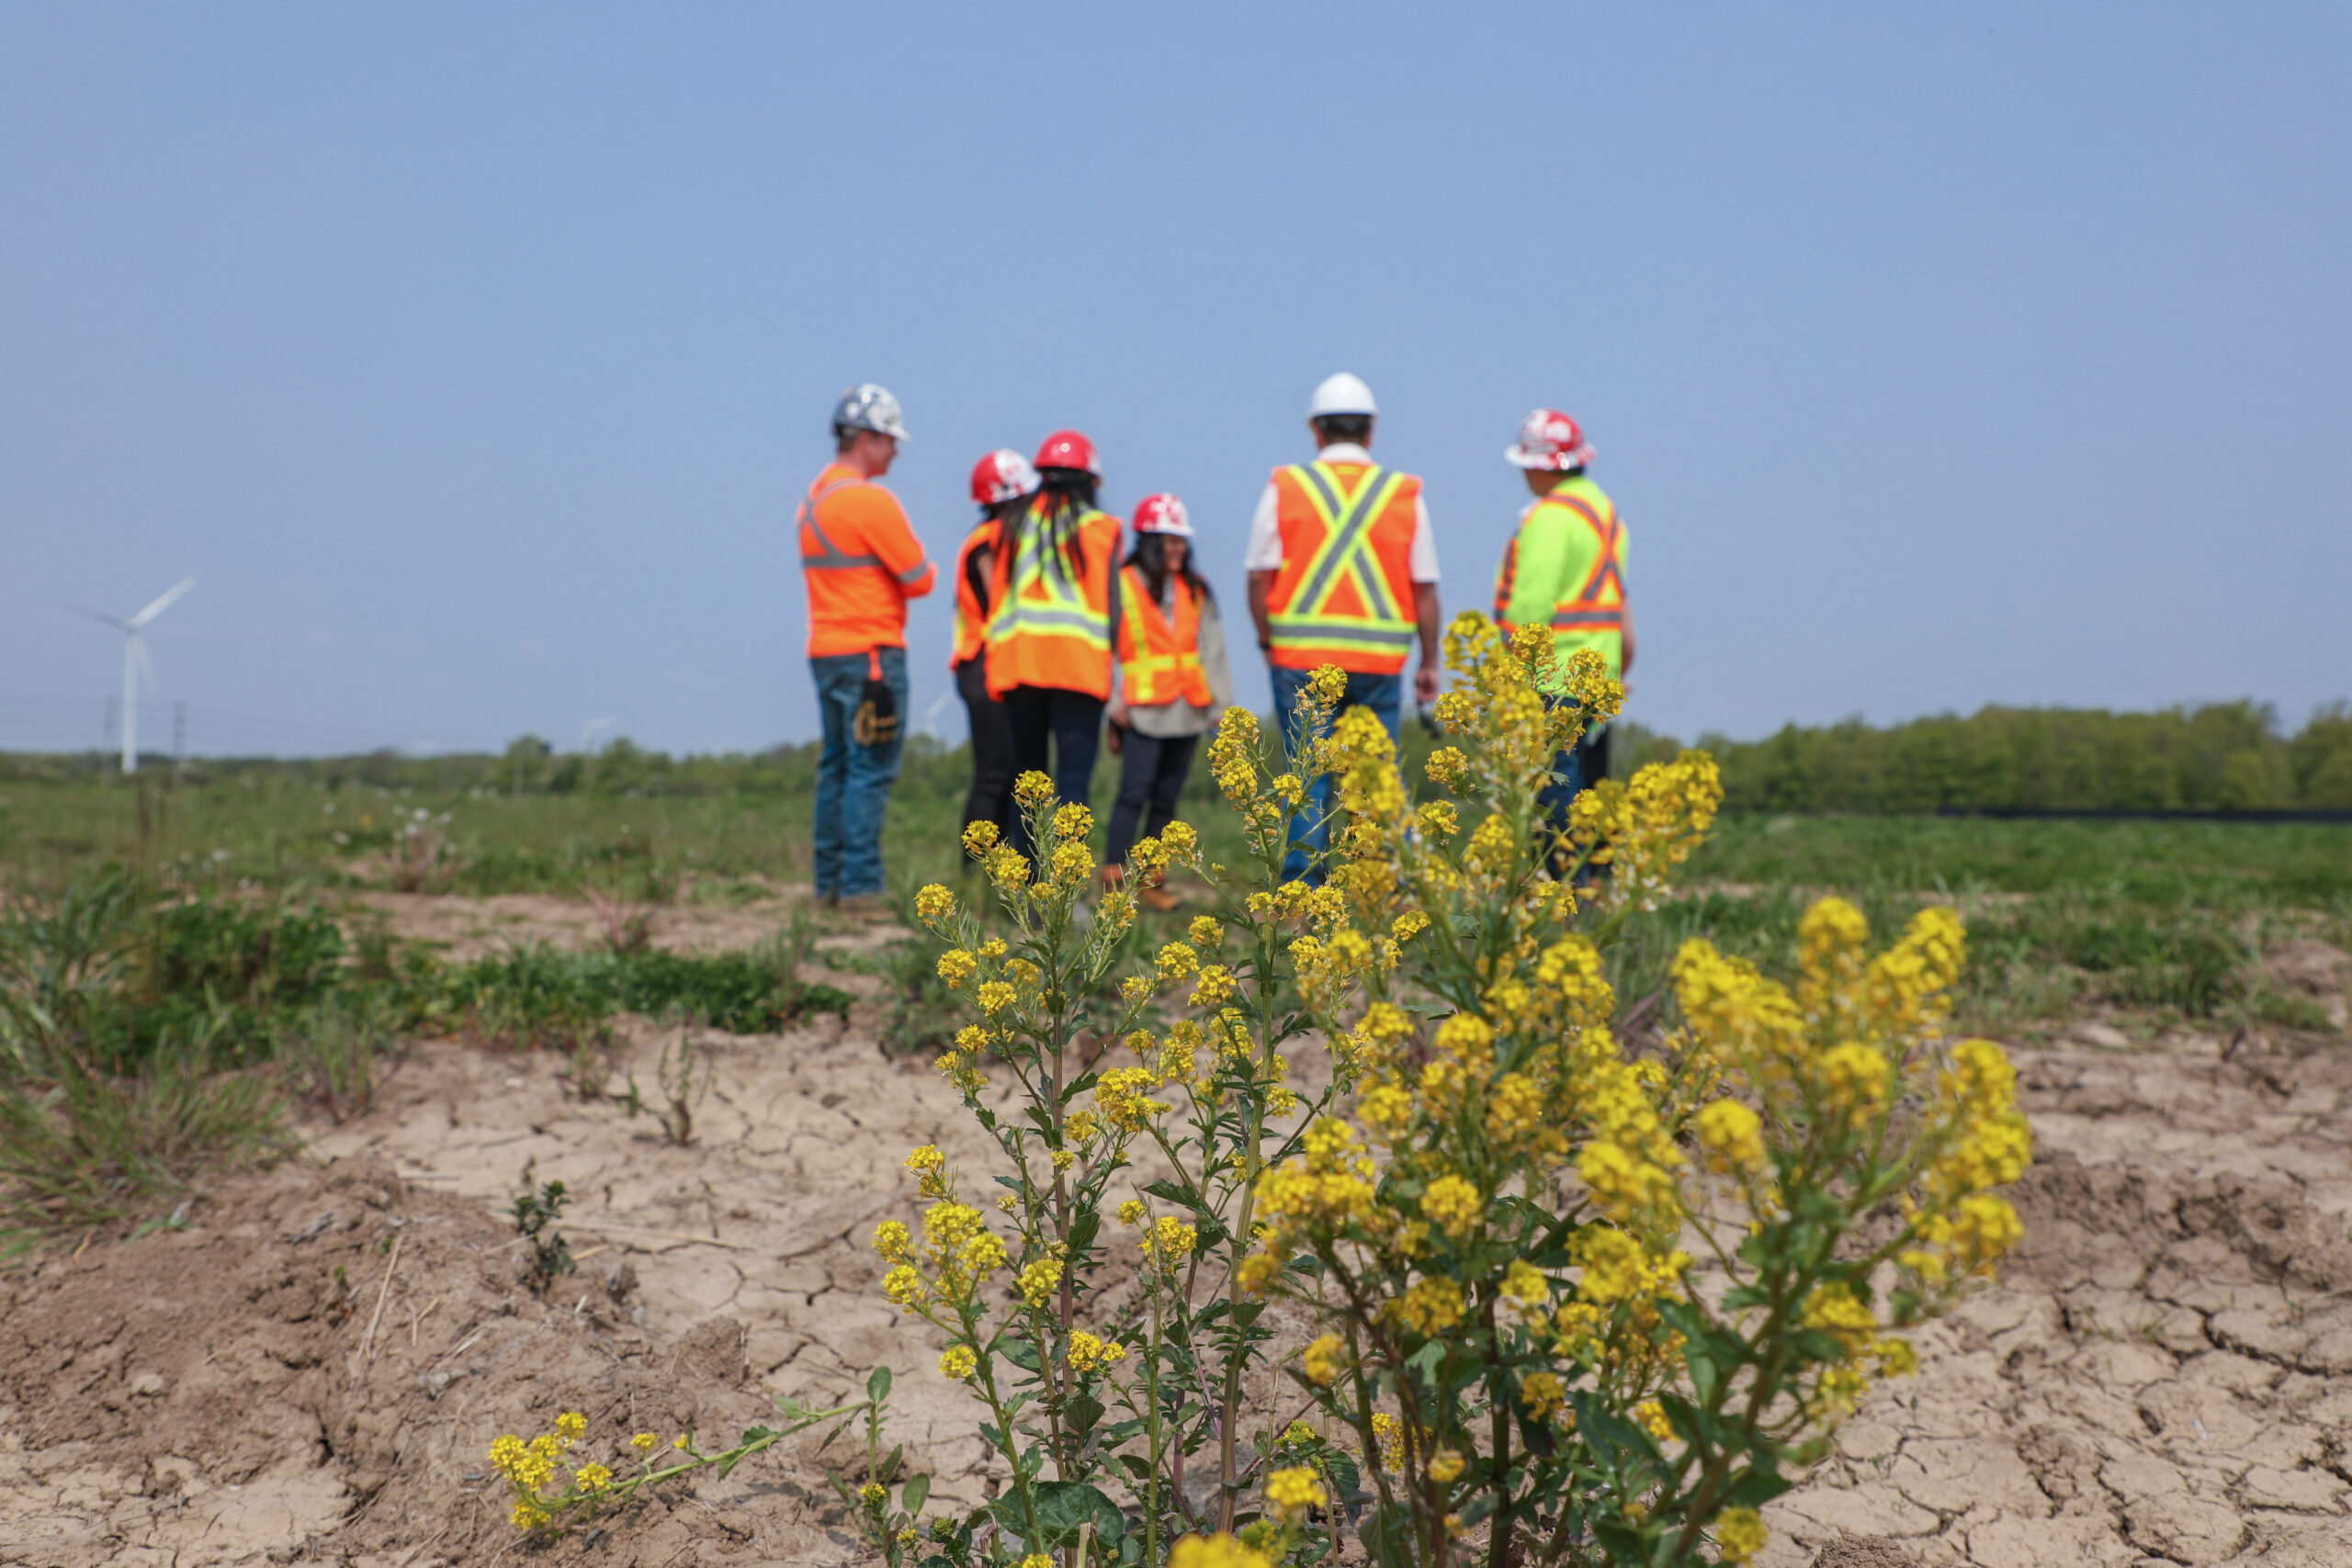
column 1266, row 533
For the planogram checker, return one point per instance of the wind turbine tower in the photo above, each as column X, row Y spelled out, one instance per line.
column 134, row 659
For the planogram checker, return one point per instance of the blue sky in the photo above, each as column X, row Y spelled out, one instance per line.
column 474, row 357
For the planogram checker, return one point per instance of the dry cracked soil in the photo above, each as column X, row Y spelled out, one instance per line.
column 313, row 1368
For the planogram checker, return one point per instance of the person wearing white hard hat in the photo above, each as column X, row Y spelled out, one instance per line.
column 1564, row 567
column 1342, row 570
column 861, row 563
column 1174, row 679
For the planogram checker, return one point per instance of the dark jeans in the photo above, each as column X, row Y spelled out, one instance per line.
column 1151, row 775
column 1312, row 824
column 991, row 797
column 1574, row 771
column 1056, row 733
column 852, row 780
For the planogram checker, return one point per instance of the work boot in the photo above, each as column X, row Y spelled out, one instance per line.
column 1160, row 900
column 867, row 907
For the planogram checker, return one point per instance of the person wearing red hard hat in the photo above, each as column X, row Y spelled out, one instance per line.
column 999, row 479
column 1052, row 621
column 861, row 562
column 1174, row 679
column 1342, row 570
column 1564, row 567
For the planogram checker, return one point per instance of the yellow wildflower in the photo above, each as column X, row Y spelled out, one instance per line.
column 957, row 1362
column 1291, row 1492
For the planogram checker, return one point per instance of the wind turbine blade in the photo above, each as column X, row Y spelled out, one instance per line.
column 163, row 603
column 114, row 621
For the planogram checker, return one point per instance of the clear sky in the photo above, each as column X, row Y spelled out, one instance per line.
column 474, row 356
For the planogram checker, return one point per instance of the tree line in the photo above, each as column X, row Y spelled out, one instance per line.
column 2216, row 756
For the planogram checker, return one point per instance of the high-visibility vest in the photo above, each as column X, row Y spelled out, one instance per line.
column 857, row 599
column 1590, row 609
column 1160, row 661
column 1344, row 593
column 1050, row 626
column 971, row 616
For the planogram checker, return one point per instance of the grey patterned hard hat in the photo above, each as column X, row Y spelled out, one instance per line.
column 869, row 407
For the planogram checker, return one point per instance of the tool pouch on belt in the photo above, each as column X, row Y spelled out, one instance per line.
column 877, row 723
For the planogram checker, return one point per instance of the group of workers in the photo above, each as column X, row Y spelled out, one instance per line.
column 1062, row 641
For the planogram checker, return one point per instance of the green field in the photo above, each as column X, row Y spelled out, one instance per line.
column 175, row 970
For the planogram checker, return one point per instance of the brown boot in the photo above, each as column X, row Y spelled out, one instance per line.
column 1160, row 900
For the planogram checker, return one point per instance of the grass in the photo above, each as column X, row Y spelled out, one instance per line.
column 174, row 977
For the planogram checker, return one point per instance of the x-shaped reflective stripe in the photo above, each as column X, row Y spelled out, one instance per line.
column 831, row 559
column 1343, row 536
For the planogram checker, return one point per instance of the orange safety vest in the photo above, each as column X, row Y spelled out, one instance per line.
column 1047, row 628
column 1344, row 593
column 1597, row 604
column 1160, row 663
column 971, row 616
column 857, row 594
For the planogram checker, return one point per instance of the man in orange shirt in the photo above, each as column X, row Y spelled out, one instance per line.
column 861, row 562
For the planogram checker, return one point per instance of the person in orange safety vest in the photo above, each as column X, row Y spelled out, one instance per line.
column 1174, row 679
column 999, row 480
column 1051, row 621
column 861, row 562
column 1342, row 570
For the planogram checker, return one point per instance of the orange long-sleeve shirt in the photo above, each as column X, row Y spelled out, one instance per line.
column 861, row 562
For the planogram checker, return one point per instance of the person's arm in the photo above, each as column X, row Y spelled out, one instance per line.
column 1114, row 711
column 1426, row 620
column 1627, row 668
column 891, row 539
column 1426, row 615
column 1264, row 560
column 1261, row 583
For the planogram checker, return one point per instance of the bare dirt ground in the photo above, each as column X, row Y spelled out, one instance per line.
column 2163, row 1376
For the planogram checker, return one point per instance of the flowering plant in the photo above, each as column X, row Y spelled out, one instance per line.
column 1587, row 1304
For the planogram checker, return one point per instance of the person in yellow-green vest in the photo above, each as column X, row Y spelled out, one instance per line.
column 1565, row 569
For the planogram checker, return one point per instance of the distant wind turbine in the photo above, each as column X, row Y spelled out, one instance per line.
column 134, row 659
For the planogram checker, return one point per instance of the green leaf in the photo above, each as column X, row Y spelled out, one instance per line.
column 1756, row 1488
column 1169, row 1192
column 917, row 1490
column 1136, row 1465
column 1080, row 1414
column 877, row 1384
column 1019, row 1352
column 1083, row 1229
column 754, row 1433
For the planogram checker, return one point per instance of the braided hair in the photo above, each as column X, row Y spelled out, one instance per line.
column 1052, row 510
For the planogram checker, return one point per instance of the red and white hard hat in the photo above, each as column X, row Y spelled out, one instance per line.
column 1069, row 449
column 1163, row 514
column 1003, row 475
column 1550, row 439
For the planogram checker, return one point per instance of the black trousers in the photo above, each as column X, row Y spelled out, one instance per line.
column 1151, row 775
column 991, row 797
column 1055, row 733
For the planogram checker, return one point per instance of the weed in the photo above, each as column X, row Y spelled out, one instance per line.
column 330, row 1054
column 535, row 1217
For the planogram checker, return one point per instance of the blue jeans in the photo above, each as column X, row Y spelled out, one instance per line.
column 852, row 780
column 1574, row 771
column 1310, row 831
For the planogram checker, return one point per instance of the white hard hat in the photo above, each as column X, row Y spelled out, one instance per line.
column 1342, row 393
column 869, row 407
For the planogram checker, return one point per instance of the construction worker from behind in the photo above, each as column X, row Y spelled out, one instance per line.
column 861, row 562
column 1342, row 570
column 999, row 479
column 1052, row 622
column 1174, row 679
column 1565, row 569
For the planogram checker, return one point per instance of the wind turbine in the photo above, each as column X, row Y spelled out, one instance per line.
column 134, row 659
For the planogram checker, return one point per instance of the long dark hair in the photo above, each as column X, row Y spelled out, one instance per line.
column 1053, row 509
column 1150, row 554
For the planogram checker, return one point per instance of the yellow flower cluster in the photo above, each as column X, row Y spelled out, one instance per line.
column 529, row 1468
column 1643, row 829
column 1291, row 1492
column 1219, row 1550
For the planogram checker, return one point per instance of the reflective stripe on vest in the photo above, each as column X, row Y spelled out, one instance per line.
column 1345, row 554
column 1159, row 663
column 828, row 557
column 1043, row 631
column 1599, row 602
